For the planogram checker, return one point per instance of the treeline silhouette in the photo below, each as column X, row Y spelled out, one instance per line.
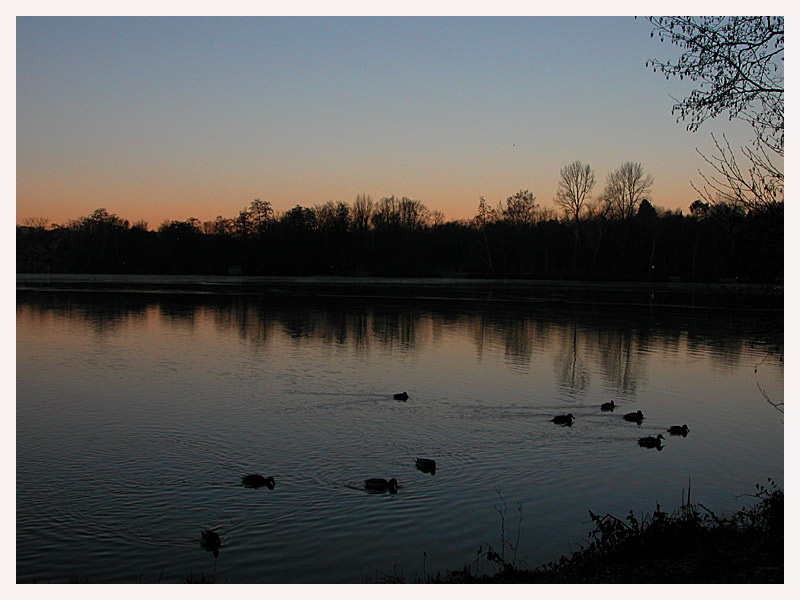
column 402, row 237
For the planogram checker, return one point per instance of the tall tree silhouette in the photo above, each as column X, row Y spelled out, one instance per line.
column 574, row 192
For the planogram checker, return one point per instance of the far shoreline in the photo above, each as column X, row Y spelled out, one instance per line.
column 673, row 294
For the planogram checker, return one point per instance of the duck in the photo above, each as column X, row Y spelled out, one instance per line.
column 381, row 485
column 651, row 442
column 636, row 417
column 426, row 465
column 607, row 406
column 210, row 541
column 257, row 481
column 401, row 396
column 563, row 419
column 679, row 430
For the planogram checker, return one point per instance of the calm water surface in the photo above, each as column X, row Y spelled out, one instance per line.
column 137, row 415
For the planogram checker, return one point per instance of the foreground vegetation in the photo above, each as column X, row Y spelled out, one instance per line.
column 692, row 545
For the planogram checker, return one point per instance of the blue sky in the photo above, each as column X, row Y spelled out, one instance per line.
column 168, row 118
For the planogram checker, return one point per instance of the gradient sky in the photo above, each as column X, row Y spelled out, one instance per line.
column 170, row 118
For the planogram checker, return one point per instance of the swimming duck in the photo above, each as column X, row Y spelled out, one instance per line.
column 679, row 430
column 381, row 485
column 257, row 481
column 636, row 417
column 426, row 465
column 210, row 538
column 401, row 396
column 651, row 442
column 563, row 419
column 210, row 542
column 607, row 406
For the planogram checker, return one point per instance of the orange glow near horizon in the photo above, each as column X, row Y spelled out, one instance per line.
column 204, row 189
column 152, row 201
column 179, row 207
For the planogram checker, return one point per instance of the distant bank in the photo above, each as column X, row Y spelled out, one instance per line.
column 728, row 295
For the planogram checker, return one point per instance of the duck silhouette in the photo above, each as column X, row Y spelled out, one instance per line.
column 257, row 481
column 426, row 465
column 563, row 420
column 210, row 542
column 401, row 396
column 376, row 484
column 607, row 406
column 679, row 430
column 651, row 442
column 634, row 417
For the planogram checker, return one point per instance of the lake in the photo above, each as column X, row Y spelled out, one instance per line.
column 138, row 413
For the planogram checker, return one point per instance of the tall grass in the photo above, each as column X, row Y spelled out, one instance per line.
column 690, row 545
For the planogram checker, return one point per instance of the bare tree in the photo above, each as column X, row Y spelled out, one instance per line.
column 756, row 187
column 625, row 189
column 36, row 222
column 597, row 213
column 360, row 219
column 485, row 216
column 386, row 213
column 574, row 189
column 261, row 215
column 100, row 220
column 190, row 225
column 333, row 216
column 363, row 208
column 519, row 209
column 219, row 226
column 413, row 214
column 405, row 213
column 299, row 219
column 739, row 64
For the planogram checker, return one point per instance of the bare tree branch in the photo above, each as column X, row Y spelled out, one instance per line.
column 739, row 64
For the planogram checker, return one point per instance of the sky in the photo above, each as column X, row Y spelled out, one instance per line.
column 157, row 118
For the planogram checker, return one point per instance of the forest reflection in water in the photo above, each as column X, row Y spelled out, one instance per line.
column 617, row 342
